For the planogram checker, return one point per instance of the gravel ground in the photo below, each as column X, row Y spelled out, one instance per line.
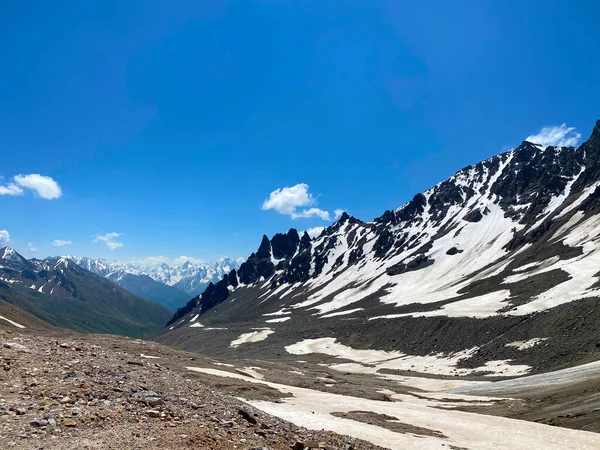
column 61, row 390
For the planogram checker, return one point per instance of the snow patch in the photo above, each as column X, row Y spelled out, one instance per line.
column 524, row 345
column 438, row 364
column 18, row 325
column 253, row 336
column 278, row 320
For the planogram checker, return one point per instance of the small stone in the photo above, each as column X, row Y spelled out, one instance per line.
column 311, row 444
column 246, row 415
column 52, row 423
column 153, row 413
column 20, row 411
column 154, row 401
column 15, row 346
column 135, row 363
column 66, row 400
column 145, row 394
column 36, row 423
column 64, row 345
column 70, row 423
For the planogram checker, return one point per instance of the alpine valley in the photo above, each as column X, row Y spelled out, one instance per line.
column 64, row 294
column 171, row 286
column 466, row 318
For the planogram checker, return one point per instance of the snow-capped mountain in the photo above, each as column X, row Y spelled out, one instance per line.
column 171, row 286
column 59, row 291
column 188, row 277
column 503, row 251
column 192, row 278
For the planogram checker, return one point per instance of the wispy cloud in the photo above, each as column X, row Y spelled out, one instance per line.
column 32, row 248
column 175, row 261
column 11, row 189
column 45, row 187
column 110, row 239
column 294, row 201
column 311, row 212
column 183, row 259
column 558, row 136
column 4, row 237
column 61, row 243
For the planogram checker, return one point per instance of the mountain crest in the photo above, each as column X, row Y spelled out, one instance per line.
column 502, row 203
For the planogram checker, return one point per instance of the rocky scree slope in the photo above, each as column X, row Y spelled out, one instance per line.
column 68, row 391
column 501, row 253
column 64, row 294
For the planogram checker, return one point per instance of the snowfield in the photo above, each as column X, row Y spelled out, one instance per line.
column 313, row 409
column 380, row 359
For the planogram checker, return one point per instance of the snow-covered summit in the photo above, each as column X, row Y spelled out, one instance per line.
column 189, row 277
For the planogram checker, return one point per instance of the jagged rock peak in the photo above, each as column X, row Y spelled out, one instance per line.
column 264, row 250
column 285, row 245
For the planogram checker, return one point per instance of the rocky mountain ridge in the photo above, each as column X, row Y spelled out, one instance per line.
column 503, row 248
column 65, row 294
column 171, row 286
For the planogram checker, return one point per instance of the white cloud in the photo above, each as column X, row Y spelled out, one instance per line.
column 110, row 239
column 176, row 261
column 4, row 237
column 315, row 232
column 32, row 248
column 311, row 212
column 288, row 200
column 183, row 259
column 556, row 136
column 42, row 185
column 152, row 260
column 11, row 189
column 338, row 213
column 61, row 243
column 45, row 187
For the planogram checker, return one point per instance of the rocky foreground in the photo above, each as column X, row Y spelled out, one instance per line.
column 64, row 391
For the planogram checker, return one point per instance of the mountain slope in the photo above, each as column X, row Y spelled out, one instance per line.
column 144, row 286
column 502, row 252
column 171, row 286
column 66, row 295
column 12, row 317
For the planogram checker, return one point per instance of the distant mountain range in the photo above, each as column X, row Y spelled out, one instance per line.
column 65, row 294
column 171, row 286
column 504, row 252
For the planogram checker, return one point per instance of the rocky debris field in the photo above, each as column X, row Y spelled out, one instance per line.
column 64, row 391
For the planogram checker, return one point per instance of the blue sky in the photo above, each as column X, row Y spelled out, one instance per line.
column 170, row 124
